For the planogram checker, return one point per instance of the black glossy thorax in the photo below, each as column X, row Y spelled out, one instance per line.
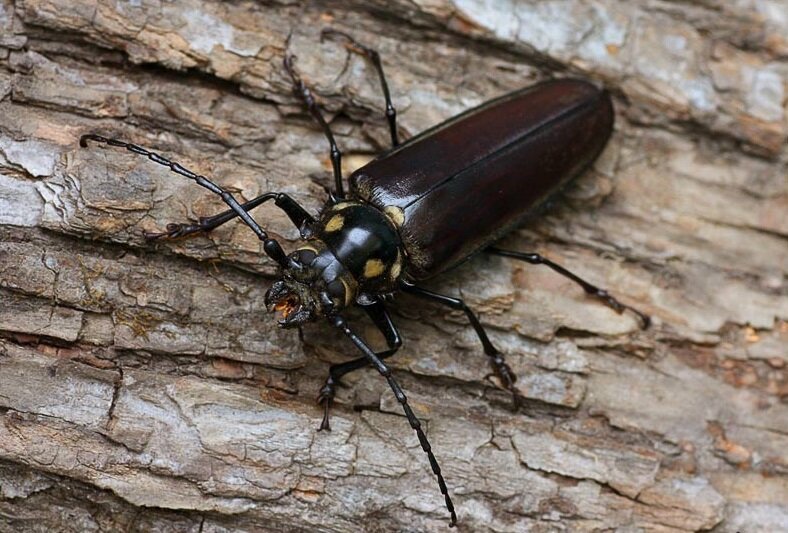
column 365, row 241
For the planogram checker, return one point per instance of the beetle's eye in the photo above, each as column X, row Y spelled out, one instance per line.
column 305, row 257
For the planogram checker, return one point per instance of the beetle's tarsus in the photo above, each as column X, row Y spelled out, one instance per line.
column 326, row 398
column 325, row 423
column 506, row 377
column 350, row 43
column 503, row 371
column 645, row 320
column 175, row 231
column 618, row 307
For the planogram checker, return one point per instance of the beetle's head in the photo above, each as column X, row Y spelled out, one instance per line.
column 311, row 287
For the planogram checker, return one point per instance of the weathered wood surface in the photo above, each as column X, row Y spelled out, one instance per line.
column 142, row 387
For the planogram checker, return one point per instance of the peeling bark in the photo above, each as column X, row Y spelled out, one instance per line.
column 143, row 387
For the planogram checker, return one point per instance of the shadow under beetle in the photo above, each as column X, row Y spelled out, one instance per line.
column 418, row 210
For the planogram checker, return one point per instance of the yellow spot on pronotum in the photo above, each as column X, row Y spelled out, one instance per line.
column 341, row 206
column 335, row 223
column 396, row 214
column 374, row 268
column 395, row 270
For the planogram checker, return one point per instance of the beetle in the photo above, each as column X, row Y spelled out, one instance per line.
column 405, row 217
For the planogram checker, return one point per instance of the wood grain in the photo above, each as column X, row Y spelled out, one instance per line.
column 143, row 386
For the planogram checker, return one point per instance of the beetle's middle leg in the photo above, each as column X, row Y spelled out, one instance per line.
column 374, row 57
column 593, row 290
column 381, row 318
column 297, row 214
column 496, row 358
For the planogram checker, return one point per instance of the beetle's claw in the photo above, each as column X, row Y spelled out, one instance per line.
column 503, row 371
column 618, row 307
column 645, row 320
column 325, row 423
column 350, row 43
column 289, row 61
column 505, row 376
column 153, row 236
column 326, row 397
column 173, row 231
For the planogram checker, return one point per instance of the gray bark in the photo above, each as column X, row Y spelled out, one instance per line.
column 143, row 386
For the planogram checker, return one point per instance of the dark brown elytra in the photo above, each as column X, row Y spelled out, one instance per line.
column 418, row 210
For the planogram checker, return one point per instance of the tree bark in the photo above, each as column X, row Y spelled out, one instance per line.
column 144, row 387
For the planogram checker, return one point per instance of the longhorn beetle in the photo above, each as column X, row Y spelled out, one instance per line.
column 417, row 210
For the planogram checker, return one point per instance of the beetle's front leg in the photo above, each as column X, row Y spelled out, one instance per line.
column 593, row 290
column 496, row 358
column 303, row 92
column 271, row 246
column 381, row 318
column 297, row 214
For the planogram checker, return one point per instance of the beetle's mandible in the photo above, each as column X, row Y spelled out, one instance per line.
column 418, row 210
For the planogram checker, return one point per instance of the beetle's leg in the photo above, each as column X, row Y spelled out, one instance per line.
column 381, row 318
column 303, row 92
column 297, row 214
column 373, row 55
column 602, row 294
column 496, row 358
column 339, row 322
column 271, row 246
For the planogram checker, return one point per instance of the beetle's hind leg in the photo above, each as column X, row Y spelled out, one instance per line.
column 602, row 294
column 374, row 57
column 381, row 318
column 495, row 357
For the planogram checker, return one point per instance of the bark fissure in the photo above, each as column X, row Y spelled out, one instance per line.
column 144, row 387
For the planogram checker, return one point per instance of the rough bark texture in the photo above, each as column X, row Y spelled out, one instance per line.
column 143, row 387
